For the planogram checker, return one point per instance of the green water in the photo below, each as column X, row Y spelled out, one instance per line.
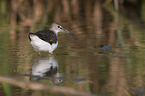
column 85, row 62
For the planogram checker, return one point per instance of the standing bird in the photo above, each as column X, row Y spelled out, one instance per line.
column 46, row 40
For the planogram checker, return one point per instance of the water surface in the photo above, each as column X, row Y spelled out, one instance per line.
column 90, row 62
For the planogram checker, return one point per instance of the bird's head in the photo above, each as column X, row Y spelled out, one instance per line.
column 56, row 27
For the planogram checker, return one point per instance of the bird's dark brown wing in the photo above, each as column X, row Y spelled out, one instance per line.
column 47, row 35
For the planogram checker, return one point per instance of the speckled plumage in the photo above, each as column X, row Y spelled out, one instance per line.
column 46, row 35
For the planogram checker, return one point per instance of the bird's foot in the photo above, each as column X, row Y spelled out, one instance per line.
column 51, row 54
column 38, row 53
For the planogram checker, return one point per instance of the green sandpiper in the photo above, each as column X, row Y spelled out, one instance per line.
column 46, row 40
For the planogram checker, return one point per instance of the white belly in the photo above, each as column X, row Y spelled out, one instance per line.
column 42, row 46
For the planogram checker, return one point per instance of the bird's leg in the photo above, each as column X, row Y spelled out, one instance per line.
column 38, row 53
column 51, row 54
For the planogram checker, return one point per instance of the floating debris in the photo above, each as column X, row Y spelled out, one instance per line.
column 79, row 79
column 139, row 91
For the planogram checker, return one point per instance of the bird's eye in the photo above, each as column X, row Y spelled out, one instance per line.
column 59, row 27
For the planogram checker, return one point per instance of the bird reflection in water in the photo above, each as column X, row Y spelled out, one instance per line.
column 46, row 67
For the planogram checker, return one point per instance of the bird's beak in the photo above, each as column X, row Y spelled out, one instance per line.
column 68, row 32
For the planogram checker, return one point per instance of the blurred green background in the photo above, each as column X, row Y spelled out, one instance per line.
column 105, row 57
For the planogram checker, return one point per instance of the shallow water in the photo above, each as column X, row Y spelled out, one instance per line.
column 86, row 61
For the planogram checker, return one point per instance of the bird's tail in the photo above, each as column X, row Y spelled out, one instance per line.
column 30, row 34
